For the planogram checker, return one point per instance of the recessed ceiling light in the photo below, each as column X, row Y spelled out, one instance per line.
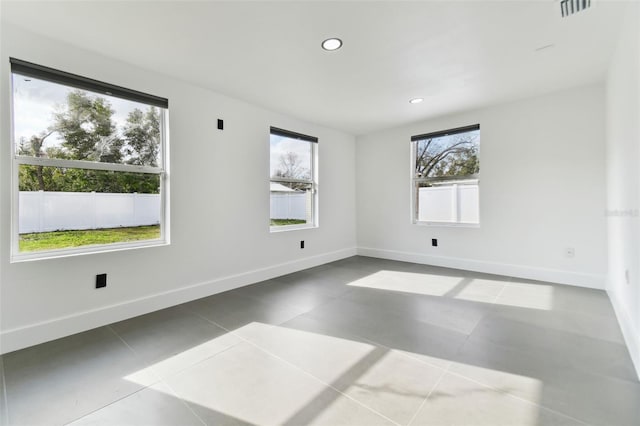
column 332, row 44
column 416, row 100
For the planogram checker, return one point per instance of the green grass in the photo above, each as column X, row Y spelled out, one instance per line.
column 69, row 239
column 281, row 222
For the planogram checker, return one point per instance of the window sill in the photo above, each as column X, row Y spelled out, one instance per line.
column 80, row 251
column 285, row 228
column 447, row 224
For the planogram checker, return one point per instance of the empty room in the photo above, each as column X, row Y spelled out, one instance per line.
column 320, row 213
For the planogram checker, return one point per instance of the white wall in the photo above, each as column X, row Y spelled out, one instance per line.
column 542, row 189
column 212, row 248
column 623, row 181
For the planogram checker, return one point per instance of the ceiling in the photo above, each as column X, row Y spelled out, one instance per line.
column 457, row 55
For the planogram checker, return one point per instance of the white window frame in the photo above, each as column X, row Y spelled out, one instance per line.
column 18, row 160
column 313, row 181
column 453, row 180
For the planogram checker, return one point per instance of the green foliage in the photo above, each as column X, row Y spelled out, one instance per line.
column 83, row 180
column 69, row 239
column 142, row 134
column 281, row 222
column 455, row 155
column 85, row 124
column 88, row 132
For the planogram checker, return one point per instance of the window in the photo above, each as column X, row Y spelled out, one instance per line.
column 445, row 183
column 89, row 164
column 293, row 184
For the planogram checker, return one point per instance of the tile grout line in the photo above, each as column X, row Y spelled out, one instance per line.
column 446, row 370
column 504, row 286
column 122, row 340
column 407, row 354
column 495, row 299
column 509, row 394
column 178, row 371
column 340, row 297
column 403, row 353
column 160, row 379
column 176, row 395
column 493, row 303
column 105, row 406
column 329, row 300
column 118, row 399
column 305, row 372
column 356, row 336
column 424, row 402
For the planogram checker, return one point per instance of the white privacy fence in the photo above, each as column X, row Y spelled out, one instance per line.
column 291, row 205
column 42, row 211
column 53, row 211
column 451, row 203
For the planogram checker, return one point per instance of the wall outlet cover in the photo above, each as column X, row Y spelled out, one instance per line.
column 101, row 280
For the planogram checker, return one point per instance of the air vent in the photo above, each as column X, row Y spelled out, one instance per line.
column 569, row 7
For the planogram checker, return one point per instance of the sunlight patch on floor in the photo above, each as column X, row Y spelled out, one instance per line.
column 409, row 282
column 259, row 358
column 262, row 373
column 182, row 360
column 502, row 381
column 531, row 296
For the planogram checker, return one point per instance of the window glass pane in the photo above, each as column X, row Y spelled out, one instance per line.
column 61, row 208
column 290, row 158
column 445, row 174
column 291, row 203
column 448, row 156
column 449, row 202
column 58, row 179
column 56, row 121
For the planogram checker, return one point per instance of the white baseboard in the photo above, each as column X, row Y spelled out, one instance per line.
column 630, row 333
column 579, row 279
column 33, row 334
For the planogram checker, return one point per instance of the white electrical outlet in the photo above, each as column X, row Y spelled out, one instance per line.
column 569, row 252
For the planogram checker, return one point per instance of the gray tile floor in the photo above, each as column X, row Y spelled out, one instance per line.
column 361, row 341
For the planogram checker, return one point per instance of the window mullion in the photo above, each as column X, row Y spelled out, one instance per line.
column 90, row 165
column 287, row 180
